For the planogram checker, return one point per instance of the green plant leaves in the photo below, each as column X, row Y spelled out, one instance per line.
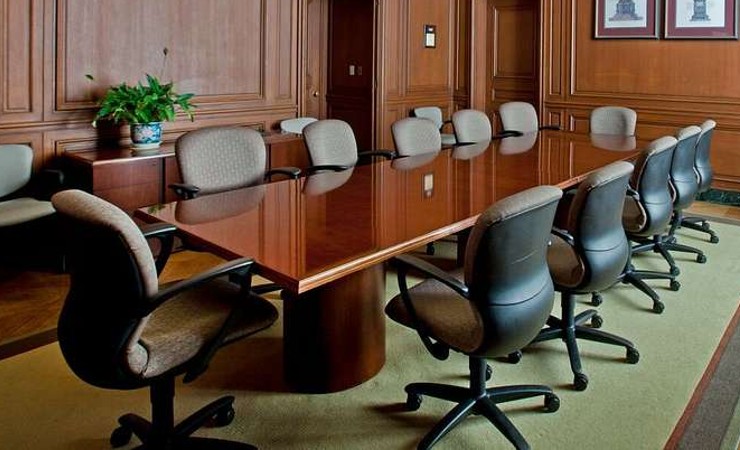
column 153, row 102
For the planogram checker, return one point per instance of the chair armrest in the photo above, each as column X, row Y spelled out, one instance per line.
column 633, row 193
column 185, row 191
column 290, row 172
column 550, row 127
column 241, row 266
column 387, row 154
column 407, row 261
column 508, row 133
column 48, row 183
column 564, row 235
column 164, row 233
column 329, row 167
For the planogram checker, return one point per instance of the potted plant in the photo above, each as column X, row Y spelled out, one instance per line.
column 144, row 107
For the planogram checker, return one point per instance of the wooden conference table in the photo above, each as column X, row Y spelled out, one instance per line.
column 324, row 237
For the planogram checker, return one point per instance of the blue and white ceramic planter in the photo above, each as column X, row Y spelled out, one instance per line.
column 146, row 136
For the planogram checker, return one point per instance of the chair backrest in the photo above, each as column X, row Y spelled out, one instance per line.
column 413, row 136
column 221, row 158
column 113, row 276
column 433, row 113
column 471, row 126
column 683, row 177
column 518, row 116
column 296, row 125
column 15, row 167
column 595, row 222
column 702, row 164
column 651, row 181
column 331, row 142
column 506, row 268
column 613, row 120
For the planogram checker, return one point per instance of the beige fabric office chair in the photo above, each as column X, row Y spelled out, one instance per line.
column 520, row 117
column 331, row 145
column 221, row 158
column 26, row 216
column 296, row 125
column 119, row 329
column 613, row 120
column 434, row 113
column 495, row 304
column 471, row 126
column 414, row 136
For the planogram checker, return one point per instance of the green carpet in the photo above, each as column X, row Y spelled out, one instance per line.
column 625, row 407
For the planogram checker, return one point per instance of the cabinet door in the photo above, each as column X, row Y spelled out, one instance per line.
column 131, row 185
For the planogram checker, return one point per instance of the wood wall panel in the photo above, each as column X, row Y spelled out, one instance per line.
column 239, row 56
column 21, row 59
column 430, row 69
column 670, row 83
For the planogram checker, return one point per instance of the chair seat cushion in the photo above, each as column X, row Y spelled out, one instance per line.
column 444, row 314
column 634, row 218
column 24, row 209
column 448, row 139
column 163, row 344
column 566, row 268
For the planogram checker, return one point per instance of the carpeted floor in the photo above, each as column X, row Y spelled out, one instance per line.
column 625, row 407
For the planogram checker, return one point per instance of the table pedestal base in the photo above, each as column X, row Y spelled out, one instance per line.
column 334, row 335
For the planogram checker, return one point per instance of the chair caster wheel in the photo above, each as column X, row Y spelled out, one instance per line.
column 596, row 299
column 120, row 437
column 714, row 239
column 514, row 357
column 489, row 372
column 413, row 402
column 675, row 285
column 675, row 271
column 580, row 382
column 552, row 403
column 658, row 307
column 596, row 321
column 701, row 258
column 705, row 226
column 633, row 356
column 224, row 417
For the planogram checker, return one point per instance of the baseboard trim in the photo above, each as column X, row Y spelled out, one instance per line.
column 26, row 343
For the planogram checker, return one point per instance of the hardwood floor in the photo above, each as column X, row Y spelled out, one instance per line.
column 30, row 301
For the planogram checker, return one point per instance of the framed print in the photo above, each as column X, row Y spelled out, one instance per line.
column 701, row 19
column 626, row 19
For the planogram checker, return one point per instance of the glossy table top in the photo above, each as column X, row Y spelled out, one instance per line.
column 308, row 232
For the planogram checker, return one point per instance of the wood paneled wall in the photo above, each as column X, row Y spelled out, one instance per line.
column 411, row 75
column 239, row 56
column 671, row 83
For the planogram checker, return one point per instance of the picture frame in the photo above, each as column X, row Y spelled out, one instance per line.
column 626, row 19
column 701, row 19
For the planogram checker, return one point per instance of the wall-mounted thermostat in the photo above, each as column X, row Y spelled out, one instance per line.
column 430, row 36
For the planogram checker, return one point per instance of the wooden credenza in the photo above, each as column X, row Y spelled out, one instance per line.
column 132, row 181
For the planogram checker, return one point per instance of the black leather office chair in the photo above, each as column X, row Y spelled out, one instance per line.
column 119, row 329
column 647, row 213
column 520, row 117
column 589, row 253
column 704, row 174
column 496, row 304
column 684, row 186
column 27, row 219
column 221, row 158
column 471, row 126
column 331, row 145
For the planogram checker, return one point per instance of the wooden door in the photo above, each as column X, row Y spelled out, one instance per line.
column 314, row 96
column 513, row 70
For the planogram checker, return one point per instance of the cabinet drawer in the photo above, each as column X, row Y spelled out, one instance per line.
column 108, row 176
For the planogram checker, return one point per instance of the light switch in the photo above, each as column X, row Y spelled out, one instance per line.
column 428, row 182
column 351, row 70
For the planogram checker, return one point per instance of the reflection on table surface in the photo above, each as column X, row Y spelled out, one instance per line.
column 307, row 232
